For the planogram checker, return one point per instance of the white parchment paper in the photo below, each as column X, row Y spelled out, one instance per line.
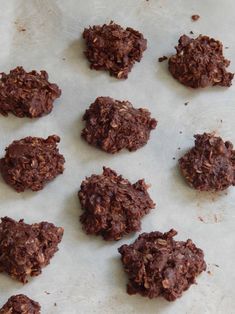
column 86, row 275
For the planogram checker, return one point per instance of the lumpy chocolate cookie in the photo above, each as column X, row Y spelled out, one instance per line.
column 200, row 63
column 113, row 207
column 27, row 94
column 32, row 162
column 157, row 265
column 25, row 249
column 210, row 165
column 113, row 48
column 113, row 125
column 20, row 304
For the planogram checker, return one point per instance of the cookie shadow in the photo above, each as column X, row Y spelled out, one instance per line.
column 87, row 152
column 11, row 124
column 70, row 215
column 165, row 76
column 76, row 59
column 186, row 93
column 74, row 54
column 8, row 193
column 8, row 284
column 138, row 303
column 190, row 195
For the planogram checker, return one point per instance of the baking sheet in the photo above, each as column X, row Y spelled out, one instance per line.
column 86, row 275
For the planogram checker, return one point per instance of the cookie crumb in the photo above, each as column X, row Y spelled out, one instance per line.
column 195, row 17
column 201, row 219
column 161, row 59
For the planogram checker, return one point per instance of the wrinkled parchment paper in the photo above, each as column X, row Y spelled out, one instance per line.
column 86, row 275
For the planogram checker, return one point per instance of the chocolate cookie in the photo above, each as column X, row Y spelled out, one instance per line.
column 157, row 265
column 200, row 63
column 31, row 162
column 113, row 207
column 113, row 48
column 20, row 304
column 27, row 94
column 26, row 249
column 210, row 165
column 113, row 125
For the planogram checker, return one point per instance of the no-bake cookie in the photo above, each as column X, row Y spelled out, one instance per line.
column 113, row 125
column 31, row 162
column 200, row 63
column 113, row 48
column 113, row 207
column 27, row 94
column 210, row 165
column 157, row 265
column 20, row 304
column 25, row 249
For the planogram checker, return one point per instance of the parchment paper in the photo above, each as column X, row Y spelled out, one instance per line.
column 86, row 275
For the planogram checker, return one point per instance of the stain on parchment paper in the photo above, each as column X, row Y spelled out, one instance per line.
column 35, row 26
column 212, row 269
column 207, row 216
column 210, row 207
column 20, row 27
